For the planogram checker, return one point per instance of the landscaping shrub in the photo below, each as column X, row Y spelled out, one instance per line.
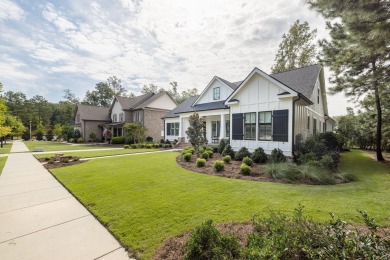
column 26, row 136
column 167, row 142
column 227, row 158
column 141, row 145
column 211, row 153
column 228, row 151
column 277, row 156
column 219, row 165
column 149, row 146
column 201, row 150
column 126, row 146
column 205, row 155
column 187, row 157
column 149, row 139
column 248, row 161
column 65, row 160
column 245, row 169
column 167, row 146
column 156, row 145
column 221, row 146
column 80, row 140
column 189, row 149
column 200, row 162
column 259, row 156
column 327, row 162
column 207, row 242
column 47, row 158
column 162, row 141
column 70, row 140
column 134, row 146
column 332, row 141
column 51, row 161
column 175, row 141
column 240, row 154
column 118, row 140
column 160, row 145
column 215, row 149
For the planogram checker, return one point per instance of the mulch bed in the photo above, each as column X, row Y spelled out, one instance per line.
column 57, row 163
column 231, row 170
column 173, row 248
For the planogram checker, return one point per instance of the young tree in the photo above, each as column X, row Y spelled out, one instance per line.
column 296, row 49
column 134, row 132
column 196, row 131
column 102, row 95
column 115, row 84
column 16, row 126
column 57, row 130
column 358, row 52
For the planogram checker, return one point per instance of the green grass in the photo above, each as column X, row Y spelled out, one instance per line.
column 2, row 163
column 146, row 199
column 93, row 153
column 6, row 147
column 56, row 146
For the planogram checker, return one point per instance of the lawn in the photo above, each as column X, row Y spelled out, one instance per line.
column 146, row 199
column 57, row 146
column 92, row 153
column 6, row 147
column 2, row 163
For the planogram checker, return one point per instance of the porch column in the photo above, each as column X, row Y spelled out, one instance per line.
column 222, row 130
column 180, row 127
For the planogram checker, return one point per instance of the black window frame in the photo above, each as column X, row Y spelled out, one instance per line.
column 173, row 129
column 252, row 126
column 227, row 128
column 216, row 91
column 268, row 124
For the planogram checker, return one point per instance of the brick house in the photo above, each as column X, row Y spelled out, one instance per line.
column 146, row 110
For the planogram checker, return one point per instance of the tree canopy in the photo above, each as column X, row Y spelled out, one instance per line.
column 297, row 48
column 358, row 51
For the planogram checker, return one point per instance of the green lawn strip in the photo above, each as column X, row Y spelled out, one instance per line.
column 56, row 146
column 89, row 154
column 146, row 199
column 2, row 163
column 6, row 148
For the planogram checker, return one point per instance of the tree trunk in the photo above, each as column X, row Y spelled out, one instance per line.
column 379, row 156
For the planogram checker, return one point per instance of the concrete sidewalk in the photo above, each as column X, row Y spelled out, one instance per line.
column 18, row 146
column 40, row 219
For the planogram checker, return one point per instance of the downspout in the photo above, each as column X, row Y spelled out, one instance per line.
column 293, row 125
column 164, row 129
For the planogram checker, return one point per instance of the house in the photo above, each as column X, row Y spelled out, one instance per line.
column 268, row 111
column 146, row 110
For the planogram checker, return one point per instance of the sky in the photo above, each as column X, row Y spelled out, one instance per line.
column 49, row 46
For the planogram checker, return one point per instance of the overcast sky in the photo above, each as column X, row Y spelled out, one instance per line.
column 49, row 46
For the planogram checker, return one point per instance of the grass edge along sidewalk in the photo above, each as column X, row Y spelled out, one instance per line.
column 145, row 199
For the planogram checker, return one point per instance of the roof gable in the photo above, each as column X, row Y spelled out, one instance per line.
column 215, row 78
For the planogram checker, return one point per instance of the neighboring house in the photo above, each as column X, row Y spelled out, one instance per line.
column 268, row 111
column 90, row 119
column 146, row 110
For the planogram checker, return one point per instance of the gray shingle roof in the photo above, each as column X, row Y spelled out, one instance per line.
column 88, row 112
column 131, row 103
column 231, row 85
column 301, row 80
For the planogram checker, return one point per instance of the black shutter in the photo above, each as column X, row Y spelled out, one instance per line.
column 238, row 126
column 280, row 125
column 169, row 126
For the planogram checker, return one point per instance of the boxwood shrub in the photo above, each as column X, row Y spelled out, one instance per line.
column 227, row 158
column 187, row 157
column 118, row 140
column 243, row 152
column 259, row 156
column 205, row 155
column 248, row 161
column 200, row 162
column 245, row 169
column 219, row 165
column 277, row 156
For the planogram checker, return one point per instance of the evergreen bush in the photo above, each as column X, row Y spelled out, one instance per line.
column 187, row 157
column 259, row 156
column 243, row 152
column 219, row 165
column 277, row 156
column 227, row 158
column 200, row 162
column 228, row 151
column 245, row 169
column 248, row 161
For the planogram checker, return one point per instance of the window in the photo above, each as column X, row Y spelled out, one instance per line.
column 314, row 126
column 265, row 125
column 137, row 116
column 308, row 122
column 173, row 128
column 318, row 95
column 227, row 128
column 215, row 127
column 121, row 117
column 114, row 118
column 250, row 126
column 323, row 127
column 216, row 93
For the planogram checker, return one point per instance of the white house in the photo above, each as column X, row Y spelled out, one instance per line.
column 268, row 111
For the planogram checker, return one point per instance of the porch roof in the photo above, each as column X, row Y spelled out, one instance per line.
column 186, row 107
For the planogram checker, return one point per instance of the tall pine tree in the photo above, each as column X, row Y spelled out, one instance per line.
column 296, row 49
column 358, row 52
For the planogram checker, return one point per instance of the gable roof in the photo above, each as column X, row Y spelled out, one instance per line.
column 131, row 103
column 150, row 99
column 224, row 81
column 302, row 80
column 228, row 83
column 88, row 112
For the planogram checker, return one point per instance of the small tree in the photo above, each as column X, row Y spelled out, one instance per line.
column 196, row 131
column 57, row 130
column 134, row 132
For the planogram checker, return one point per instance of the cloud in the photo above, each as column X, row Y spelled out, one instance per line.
column 10, row 11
